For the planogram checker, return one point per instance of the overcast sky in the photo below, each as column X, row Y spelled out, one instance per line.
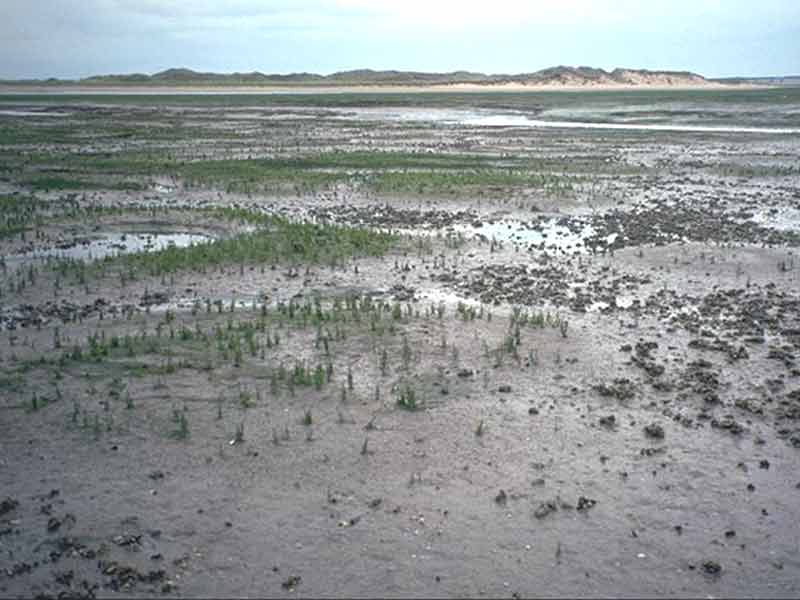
column 77, row 38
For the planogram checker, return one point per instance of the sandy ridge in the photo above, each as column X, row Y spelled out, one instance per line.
column 366, row 89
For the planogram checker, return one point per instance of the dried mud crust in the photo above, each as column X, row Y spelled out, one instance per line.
column 459, row 417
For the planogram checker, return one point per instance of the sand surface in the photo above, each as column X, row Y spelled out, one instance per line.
column 363, row 89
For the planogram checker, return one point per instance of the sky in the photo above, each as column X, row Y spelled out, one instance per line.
column 79, row 38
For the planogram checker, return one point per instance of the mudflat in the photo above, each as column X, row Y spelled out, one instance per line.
column 503, row 345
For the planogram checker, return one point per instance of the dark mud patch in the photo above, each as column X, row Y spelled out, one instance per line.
column 553, row 284
column 659, row 226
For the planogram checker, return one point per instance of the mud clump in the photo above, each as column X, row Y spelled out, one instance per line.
column 125, row 578
column 608, row 421
column 154, row 298
column 651, row 451
column 655, row 431
column 728, row 423
column 643, row 359
column 128, row 540
column 291, row 582
column 7, row 505
column 544, row 509
column 621, row 389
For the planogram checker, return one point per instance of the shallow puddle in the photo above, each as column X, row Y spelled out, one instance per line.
column 784, row 218
column 109, row 244
column 494, row 118
column 31, row 113
column 163, row 189
column 549, row 234
column 623, row 302
column 438, row 296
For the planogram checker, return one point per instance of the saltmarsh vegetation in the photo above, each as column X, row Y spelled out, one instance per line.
column 19, row 213
column 297, row 353
column 388, row 172
column 275, row 240
column 26, row 214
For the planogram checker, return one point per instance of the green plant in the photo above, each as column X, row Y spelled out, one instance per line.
column 407, row 398
column 238, row 437
column 181, row 421
column 406, row 354
column 246, row 399
column 384, row 362
column 96, row 429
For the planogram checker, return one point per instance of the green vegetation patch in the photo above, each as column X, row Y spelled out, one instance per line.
column 452, row 182
column 18, row 214
column 47, row 183
column 276, row 240
column 279, row 240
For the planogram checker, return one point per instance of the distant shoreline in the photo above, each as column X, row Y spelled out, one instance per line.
column 66, row 89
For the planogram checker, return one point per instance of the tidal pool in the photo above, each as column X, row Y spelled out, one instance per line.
column 107, row 244
column 550, row 234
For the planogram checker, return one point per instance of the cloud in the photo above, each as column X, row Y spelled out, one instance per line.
column 81, row 37
column 198, row 8
column 459, row 14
